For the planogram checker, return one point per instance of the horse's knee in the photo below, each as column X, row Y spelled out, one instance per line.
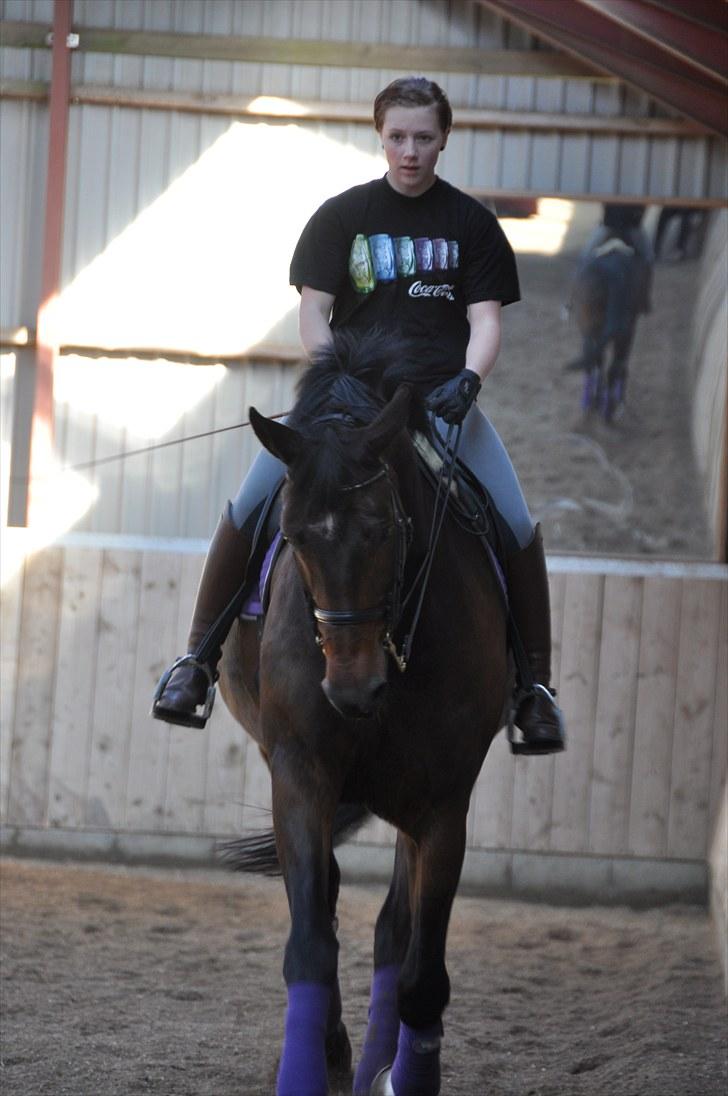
column 393, row 927
column 312, row 952
column 423, row 995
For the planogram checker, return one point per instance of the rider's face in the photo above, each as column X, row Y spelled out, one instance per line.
column 412, row 140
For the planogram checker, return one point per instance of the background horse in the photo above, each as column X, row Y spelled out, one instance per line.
column 611, row 288
column 339, row 722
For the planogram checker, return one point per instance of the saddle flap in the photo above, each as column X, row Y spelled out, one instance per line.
column 256, row 603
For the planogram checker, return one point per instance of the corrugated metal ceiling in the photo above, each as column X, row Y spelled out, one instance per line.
column 674, row 51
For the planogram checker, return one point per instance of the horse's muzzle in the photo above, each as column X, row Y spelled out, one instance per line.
column 355, row 701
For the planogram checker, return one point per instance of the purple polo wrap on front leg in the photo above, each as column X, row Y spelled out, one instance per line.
column 302, row 1071
column 416, row 1069
column 380, row 1041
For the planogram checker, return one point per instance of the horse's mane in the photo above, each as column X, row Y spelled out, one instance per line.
column 346, row 385
column 355, row 375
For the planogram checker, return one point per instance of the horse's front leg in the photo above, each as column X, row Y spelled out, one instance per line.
column 391, row 938
column 424, row 986
column 617, row 377
column 338, row 1046
column 303, row 812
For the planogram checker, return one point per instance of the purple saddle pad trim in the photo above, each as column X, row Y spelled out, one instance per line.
column 253, row 606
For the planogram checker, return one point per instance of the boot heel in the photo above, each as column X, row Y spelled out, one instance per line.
column 178, row 716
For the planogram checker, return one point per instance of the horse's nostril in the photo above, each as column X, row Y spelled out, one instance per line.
column 354, row 703
column 379, row 690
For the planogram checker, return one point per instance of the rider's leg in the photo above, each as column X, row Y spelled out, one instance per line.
column 483, row 452
column 222, row 577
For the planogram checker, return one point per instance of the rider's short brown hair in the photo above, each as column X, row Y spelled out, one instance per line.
column 413, row 91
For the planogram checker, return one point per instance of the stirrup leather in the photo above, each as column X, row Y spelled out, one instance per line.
column 520, row 744
column 182, row 719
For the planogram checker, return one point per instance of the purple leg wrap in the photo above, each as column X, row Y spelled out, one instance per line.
column 302, row 1071
column 380, row 1042
column 416, row 1069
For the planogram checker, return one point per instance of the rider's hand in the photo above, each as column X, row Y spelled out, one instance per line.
column 452, row 400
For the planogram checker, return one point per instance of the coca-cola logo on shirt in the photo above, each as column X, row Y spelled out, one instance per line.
column 422, row 289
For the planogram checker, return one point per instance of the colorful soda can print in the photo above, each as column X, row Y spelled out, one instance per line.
column 382, row 248
column 424, row 253
column 404, row 250
column 453, row 254
column 439, row 248
column 361, row 268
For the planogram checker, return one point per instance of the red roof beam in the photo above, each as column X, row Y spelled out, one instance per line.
column 622, row 53
column 706, row 49
column 709, row 13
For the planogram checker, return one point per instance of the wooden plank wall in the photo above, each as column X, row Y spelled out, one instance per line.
column 710, row 379
column 640, row 657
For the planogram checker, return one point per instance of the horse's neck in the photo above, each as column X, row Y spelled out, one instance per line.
column 417, row 502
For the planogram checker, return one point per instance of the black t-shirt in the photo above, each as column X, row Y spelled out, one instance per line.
column 409, row 265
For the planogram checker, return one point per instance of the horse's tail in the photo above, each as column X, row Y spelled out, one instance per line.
column 257, row 853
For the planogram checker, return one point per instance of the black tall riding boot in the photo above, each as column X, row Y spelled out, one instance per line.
column 189, row 684
column 536, row 713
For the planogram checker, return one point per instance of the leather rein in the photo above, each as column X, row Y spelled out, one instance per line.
column 391, row 609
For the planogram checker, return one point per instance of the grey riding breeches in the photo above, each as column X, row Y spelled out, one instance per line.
column 480, row 449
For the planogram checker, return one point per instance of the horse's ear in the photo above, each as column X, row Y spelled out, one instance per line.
column 280, row 440
column 390, row 421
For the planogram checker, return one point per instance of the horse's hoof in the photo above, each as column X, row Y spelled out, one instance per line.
column 382, row 1083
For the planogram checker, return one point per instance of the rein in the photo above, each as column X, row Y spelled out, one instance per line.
column 444, row 483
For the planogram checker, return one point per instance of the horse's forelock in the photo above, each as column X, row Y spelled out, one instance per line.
column 353, row 378
column 354, row 368
column 331, row 460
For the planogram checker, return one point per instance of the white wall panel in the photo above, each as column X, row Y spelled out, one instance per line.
column 638, row 667
column 23, row 137
column 106, row 407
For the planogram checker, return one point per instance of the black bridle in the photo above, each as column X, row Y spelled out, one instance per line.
column 390, row 610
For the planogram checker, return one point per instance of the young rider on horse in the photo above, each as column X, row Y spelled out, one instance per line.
column 413, row 255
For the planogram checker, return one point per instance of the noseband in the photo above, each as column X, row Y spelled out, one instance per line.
column 390, row 609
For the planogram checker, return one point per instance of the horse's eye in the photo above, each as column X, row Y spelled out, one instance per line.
column 378, row 534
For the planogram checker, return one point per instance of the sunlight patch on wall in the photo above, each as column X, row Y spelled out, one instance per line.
column 544, row 232
column 204, row 268
column 146, row 398
column 7, row 385
column 63, row 497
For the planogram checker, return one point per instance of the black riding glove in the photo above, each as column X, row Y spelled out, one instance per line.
column 452, row 400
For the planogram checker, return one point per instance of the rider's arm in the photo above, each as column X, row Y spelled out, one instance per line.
column 314, row 313
column 484, row 318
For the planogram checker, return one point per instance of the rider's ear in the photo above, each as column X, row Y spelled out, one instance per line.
column 389, row 422
column 280, row 440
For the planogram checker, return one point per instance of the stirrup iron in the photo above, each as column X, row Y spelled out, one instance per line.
column 182, row 719
column 519, row 743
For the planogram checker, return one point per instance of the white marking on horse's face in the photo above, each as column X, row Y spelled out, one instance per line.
column 326, row 527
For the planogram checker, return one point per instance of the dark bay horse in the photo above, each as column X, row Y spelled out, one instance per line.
column 340, row 721
column 610, row 290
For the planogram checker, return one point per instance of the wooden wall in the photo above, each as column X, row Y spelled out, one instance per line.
column 640, row 650
column 710, row 385
column 719, row 881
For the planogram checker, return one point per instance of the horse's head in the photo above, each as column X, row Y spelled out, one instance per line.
column 343, row 518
